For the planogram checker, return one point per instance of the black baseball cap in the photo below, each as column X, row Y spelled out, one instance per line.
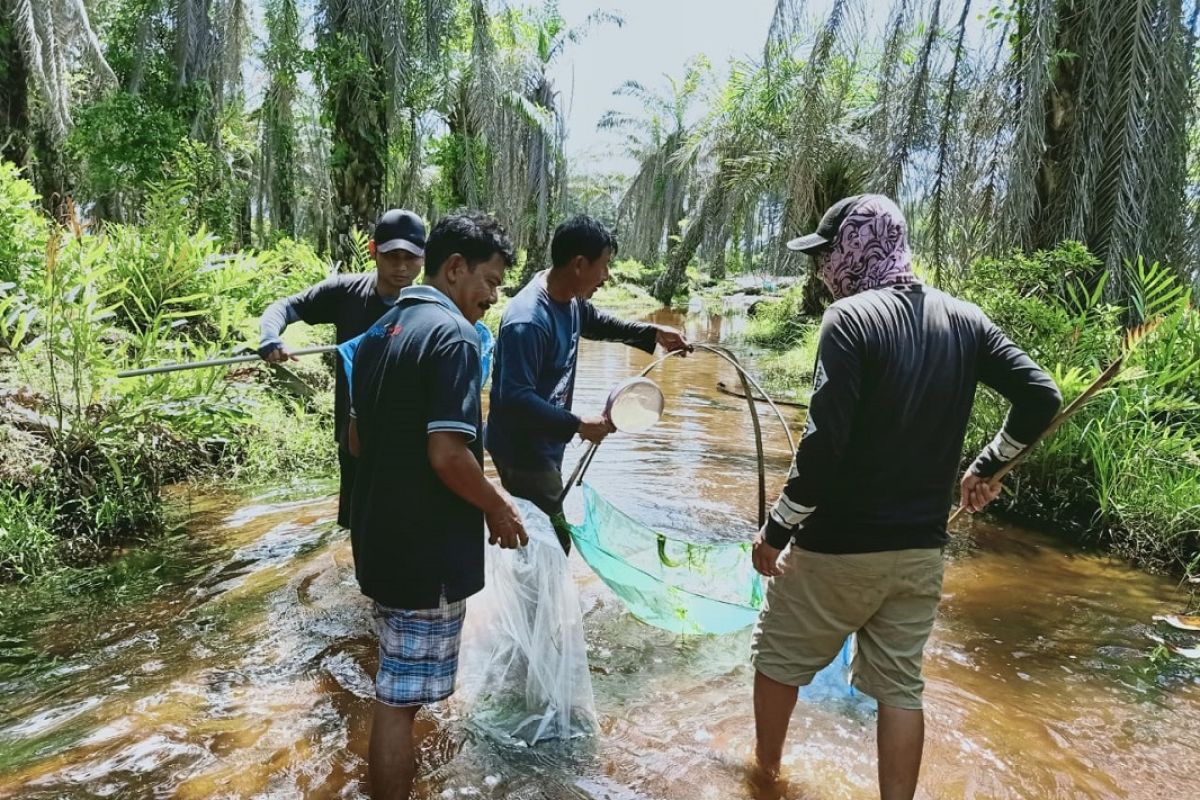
column 827, row 229
column 400, row 229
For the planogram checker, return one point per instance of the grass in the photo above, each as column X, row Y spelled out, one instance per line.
column 1125, row 472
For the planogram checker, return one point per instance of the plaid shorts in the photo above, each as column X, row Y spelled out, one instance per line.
column 418, row 653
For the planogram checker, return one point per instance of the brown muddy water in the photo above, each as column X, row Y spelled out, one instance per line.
column 248, row 672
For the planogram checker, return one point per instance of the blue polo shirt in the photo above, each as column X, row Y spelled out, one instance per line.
column 416, row 372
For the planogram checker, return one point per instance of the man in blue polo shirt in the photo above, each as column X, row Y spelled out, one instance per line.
column 420, row 496
column 530, row 419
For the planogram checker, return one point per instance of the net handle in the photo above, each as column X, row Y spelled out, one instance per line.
column 748, row 381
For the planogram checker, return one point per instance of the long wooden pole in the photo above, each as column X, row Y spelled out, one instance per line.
column 1054, row 425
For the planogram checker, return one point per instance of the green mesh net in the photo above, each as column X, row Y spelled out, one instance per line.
column 675, row 585
column 690, row 588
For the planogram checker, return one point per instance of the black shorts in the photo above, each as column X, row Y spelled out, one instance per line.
column 347, row 465
column 543, row 488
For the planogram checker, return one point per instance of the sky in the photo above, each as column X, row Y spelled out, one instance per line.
column 658, row 37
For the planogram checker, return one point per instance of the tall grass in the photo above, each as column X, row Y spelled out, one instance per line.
column 86, row 302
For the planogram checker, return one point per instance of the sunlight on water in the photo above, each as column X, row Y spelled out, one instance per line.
column 253, row 679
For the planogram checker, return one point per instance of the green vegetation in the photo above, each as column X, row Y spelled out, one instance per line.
column 1122, row 472
column 87, row 454
column 157, row 205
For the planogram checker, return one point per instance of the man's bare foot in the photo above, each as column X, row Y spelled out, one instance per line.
column 765, row 783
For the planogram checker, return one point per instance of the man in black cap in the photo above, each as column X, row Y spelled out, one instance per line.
column 863, row 515
column 351, row 303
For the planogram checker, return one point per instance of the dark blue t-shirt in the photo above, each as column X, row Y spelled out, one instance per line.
column 533, row 379
column 416, row 372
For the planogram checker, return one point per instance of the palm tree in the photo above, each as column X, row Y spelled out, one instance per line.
column 1101, row 104
column 14, row 95
column 787, row 135
column 535, row 115
column 277, row 149
column 653, row 205
column 383, row 67
column 52, row 36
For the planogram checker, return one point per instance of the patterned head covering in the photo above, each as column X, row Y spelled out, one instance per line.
column 870, row 250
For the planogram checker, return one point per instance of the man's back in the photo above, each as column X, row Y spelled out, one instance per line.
column 416, row 372
column 894, row 386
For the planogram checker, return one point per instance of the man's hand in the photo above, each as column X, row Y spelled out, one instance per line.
column 505, row 527
column 276, row 354
column 766, row 558
column 671, row 340
column 594, row 429
column 977, row 492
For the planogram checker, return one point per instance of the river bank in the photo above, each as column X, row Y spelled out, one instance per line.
column 246, row 671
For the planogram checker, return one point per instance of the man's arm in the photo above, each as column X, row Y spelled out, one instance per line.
column 836, row 385
column 1035, row 400
column 523, row 347
column 456, row 466
column 316, row 305
column 602, row 326
column 452, row 410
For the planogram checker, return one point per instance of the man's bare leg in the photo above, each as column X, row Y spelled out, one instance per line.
column 773, row 705
column 392, row 758
column 900, row 735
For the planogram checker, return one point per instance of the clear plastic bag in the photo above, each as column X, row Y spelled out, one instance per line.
column 525, row 669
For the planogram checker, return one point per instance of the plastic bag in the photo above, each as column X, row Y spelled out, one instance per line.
column 525, row 665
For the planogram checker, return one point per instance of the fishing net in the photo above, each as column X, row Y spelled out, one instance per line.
column 686, row 587
column 525, row 662
column 674, row 585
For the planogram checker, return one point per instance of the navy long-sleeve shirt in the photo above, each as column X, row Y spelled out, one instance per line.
column 533, row 380
column 351, row 303
column 895, row 380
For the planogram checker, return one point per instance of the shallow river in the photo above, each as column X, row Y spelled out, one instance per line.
column 248, row 672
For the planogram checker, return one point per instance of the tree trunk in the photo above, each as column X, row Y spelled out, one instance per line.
column 50, row 172
column 816, row 295
column 675, row 212
column 1053, row 174
column 360, row 140
column 718, row 266
column 676, row 273
column 14, row 95
column 535, row 257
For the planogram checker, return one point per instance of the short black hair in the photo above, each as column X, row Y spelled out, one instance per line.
column 581, row 235
column 474, row 235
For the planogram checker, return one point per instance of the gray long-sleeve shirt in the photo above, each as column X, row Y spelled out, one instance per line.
column 895, row 380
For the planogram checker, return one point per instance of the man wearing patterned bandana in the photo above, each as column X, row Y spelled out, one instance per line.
column 867, row 500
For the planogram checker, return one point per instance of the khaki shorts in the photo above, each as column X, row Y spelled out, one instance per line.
column 889, row 599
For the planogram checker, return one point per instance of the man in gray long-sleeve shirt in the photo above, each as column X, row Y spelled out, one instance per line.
column 352, row 303
column 533, row 382
column 866, row 503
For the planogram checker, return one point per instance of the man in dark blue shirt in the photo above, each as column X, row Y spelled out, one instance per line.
column 529, row 418
column 420, row 496
column 351, row 303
